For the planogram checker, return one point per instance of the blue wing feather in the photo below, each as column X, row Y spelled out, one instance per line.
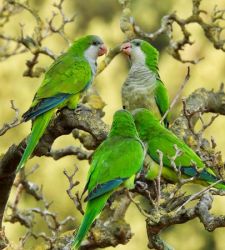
column 103, row 188
column 202, row 175
column 45, row 105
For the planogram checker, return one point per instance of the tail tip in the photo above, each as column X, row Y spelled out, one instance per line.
column 19, row 167
column 75, row 245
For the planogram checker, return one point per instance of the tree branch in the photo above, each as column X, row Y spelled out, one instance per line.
column 63, row 124
column 32, row 43
column 12, row 124
column 110, row 229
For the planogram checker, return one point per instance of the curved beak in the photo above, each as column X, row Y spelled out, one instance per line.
column 102, row 50
column 126, row 48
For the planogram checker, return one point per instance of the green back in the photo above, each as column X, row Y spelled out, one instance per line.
column 70, row 73
column 159, row 138
column 121, row 155
column 161, row 93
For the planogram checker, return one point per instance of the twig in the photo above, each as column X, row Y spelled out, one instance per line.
column 75, row 198
column 189, row 115
column 160, row 153
column 211, row 30
column 178, row 153
column 71, row 150
column 192, row 197
column 143, row 189
column 15, row 121
column 137, row 204
column 27, row 218
column 33, row 43
column 205, row 126
column 108, row 58
column 175, row 99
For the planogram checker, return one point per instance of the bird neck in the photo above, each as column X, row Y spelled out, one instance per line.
column 151, row 58
column 152, row 63
column 144, row 71
column 77, row 49
column 124, row 129
column 147, row 128
column 141, row 73
column 92, row 62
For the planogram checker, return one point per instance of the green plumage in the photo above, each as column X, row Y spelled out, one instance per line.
column 114, row 162
column 143, row 87
column 38, row 128
column 151, row 54
column 157, row 137
column 93, row 209
column 63, row 85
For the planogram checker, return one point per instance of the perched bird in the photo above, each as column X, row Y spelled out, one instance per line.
column 63, row 84
column 143, row 87
column 114, row 164
column 157, row 137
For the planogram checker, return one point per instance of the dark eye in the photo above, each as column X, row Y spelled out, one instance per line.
column 95, row 43
column 137, row 43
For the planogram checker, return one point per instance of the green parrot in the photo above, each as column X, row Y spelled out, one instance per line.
column 157, row 137
column 64, row 83
column 114, row 164
column 143, row 87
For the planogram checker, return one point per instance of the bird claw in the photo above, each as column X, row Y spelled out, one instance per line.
column 141, row 185
column 58, row 111
column 81, row 107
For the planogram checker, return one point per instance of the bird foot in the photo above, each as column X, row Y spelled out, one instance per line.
column 58, row 111
column 81, row 107
column 141, row 185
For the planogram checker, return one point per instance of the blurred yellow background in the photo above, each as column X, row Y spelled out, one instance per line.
column 102, row 18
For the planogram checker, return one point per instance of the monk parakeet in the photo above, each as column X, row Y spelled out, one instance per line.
column 114, row 164
column 63, row 84
column 157, row 137
column 143, row 87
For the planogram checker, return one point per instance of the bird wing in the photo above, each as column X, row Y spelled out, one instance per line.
column 68, row 75
column 188, row 161
column 116, row 160
column 162, row 99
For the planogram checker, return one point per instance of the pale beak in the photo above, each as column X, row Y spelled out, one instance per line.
column 126, row 48
column 102, row 50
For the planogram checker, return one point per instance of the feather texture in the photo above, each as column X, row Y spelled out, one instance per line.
column 157, row 138
column 64, row 82
column 143, row 87
column 117, row 159
column 39, row 126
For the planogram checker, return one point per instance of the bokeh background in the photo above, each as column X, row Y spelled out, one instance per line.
column 102, row 18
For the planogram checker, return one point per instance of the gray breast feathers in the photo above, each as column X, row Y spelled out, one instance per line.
column 138, row 89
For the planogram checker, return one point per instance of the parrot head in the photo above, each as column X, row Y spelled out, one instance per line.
column 142, row 114
column 144, row 118
column 139, row 51
column 122, row 114
column 91, row 46
column 123, row 124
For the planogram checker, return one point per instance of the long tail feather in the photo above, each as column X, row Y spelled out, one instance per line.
column 94, row 207
column 220, row 185
column 205, row 177
column 38, row 128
